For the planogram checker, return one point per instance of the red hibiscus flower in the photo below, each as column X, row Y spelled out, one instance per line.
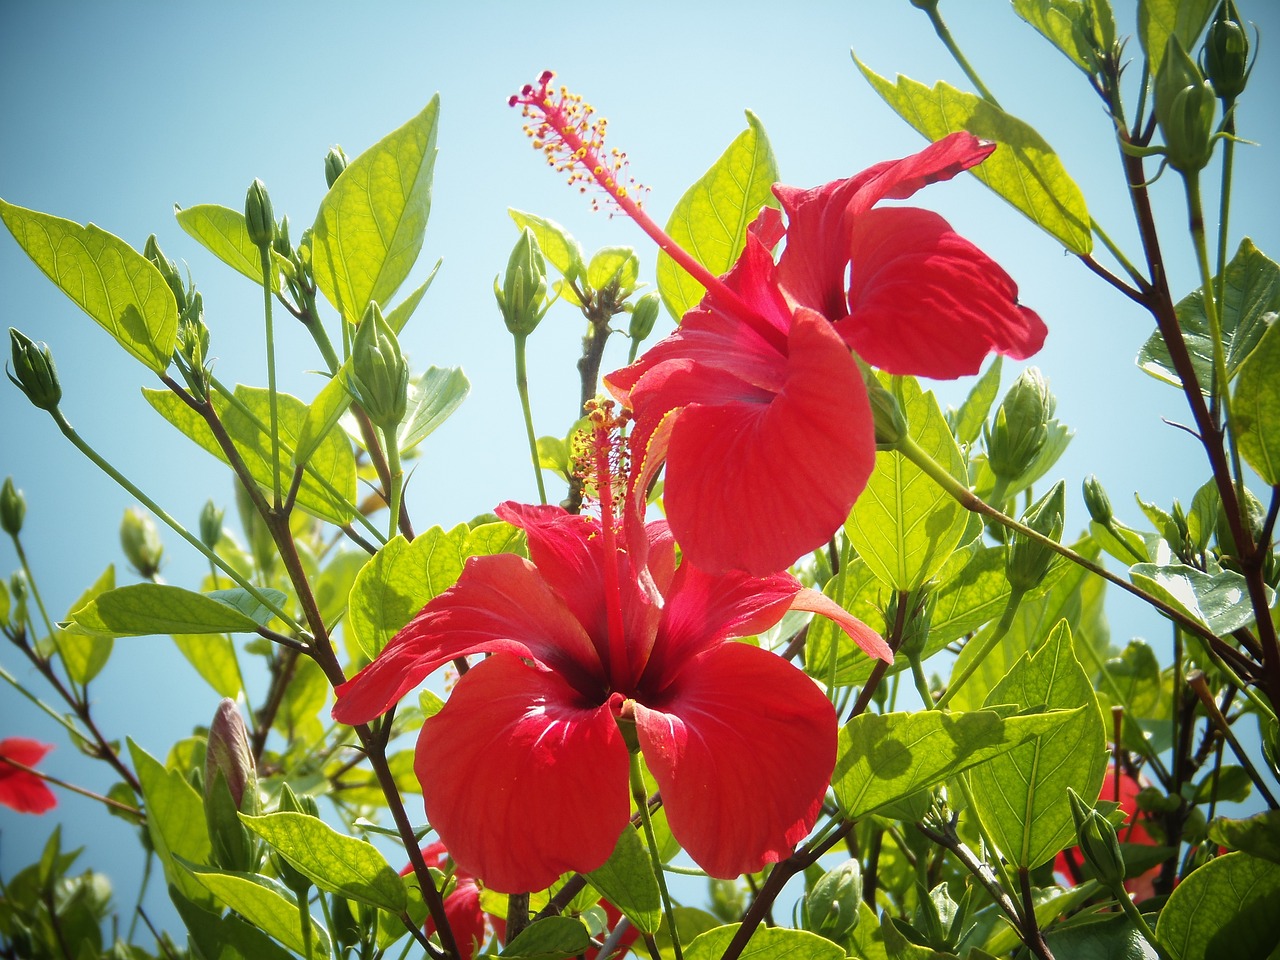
column 23, row 791
column 525, row 771
column 467, row 919
column 755, row 403
column 1067, row 865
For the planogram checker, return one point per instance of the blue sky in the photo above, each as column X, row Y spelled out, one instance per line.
column 113, row 113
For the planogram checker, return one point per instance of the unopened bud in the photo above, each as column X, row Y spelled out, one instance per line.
column 379, row 379
column 1185, row 103
column 522, row 296
column 1098, row 843
column 335, row 161
column 644, row 315
column 34, row 372
column 1020, row 427
column 168, row 269
column 280, row 242
column 831, row 907
column 1096, row 501
column 13, row 508
column 210, row 524
column 141, row 542
column 1028, row 560
column 259, row 218
column 1225, row 57
column 886, row 412
column 229, row 753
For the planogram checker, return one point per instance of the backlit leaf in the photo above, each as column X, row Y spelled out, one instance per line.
column 372, row 222
column 1255, row 407
column 175, row 821
column 143, row 609
column 766, row 943
column 626, row 880
column 432, row 399
column 710, row 221
column 1158, row 19
column 1219, row 601
column 561, row 250
column 1230, row 907
column 1060, row 22
column 552, row 938
column 214, row 657
column 1024, row 170
column 105, row 277
column 222, row 232
column 966, row 423
column 265, row 904
column 85, row 654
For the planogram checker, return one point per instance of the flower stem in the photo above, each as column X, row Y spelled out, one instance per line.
column 522, row 387
column 940, row 28
column 987, row 645
column 1135, row 916
column 35, row 592
column 265, row 251
column 54, row 714
column 304, row 918
column 396, row 472
column 641, row 797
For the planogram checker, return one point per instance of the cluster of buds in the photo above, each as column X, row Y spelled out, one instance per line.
column 830, row 908
column 193, row 335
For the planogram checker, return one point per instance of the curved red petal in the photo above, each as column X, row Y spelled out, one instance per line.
column 755, row 486
column 500, row 603
column 466, row 917
column 739, row 722
column 523, row 779
column 872, row 643
column 925, row 301
column 940, row 160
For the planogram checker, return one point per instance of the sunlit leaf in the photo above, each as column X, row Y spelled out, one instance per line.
column 766, row 943
column 1255, row 407
column 1219, row 601
column 1226, row 908
column 1158, row 19
column 432, row 399
column 175, row 821
column 85, row 654
column 222, row 232
column 143, row 609
column 265, row 904
column 627, row 881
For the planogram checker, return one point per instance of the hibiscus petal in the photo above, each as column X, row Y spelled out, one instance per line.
column 755, row 486
column 739, row 722
column 925, row 301
column 872, row 643
column 19, row 790
column 500, row 603
column 941, row 160
column 522, row 778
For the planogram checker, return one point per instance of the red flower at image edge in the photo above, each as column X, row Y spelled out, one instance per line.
column 756, row 404
column 525, row 771
column 1142, row 886
column 24, row 792
column 467, row 919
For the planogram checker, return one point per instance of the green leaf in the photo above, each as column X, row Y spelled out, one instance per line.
column 338, row 864
column 303, row 699
column 710, row 221
column 265, row 904
column 561, row 250
column 329, row 484
column 974, row 596
column 248, row 604
column 1158, row 19
column 627, row 881
column 1219, row 601
column 614, row 265
column 85, row 654
column 222, row 232
column 859, row 591
column 105, row 277
column 766, row 943
column 143, row 609
column 398, row 581
column 432, row 399
column 1060, row 22
column 966, row 423
column 1230, row 907
column 214, row 657
column 552, row 938
column 1255, row 407
column 886, row 757
column 1024, row 170
column 904, row 525
column 175, row 821
column 1251, row 297
column 1111, row 938
column 1134, row 681
column 225, row 937
column 371, row 223
column 1021, row 797
column 1258, row 835
column 1076, row 597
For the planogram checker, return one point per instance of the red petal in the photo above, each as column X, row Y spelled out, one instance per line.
column 872, row 643
column 740, row 723
column 941, row 160
column 522, row 778
column 19, row 790
column 500, row 603
column 755, row 486
column 466, row 918
column 925, row 301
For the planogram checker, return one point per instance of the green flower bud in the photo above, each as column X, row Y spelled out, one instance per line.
column 522, row 296
column 280, row 242
column 1225, row 56
column 728, row 899
column 168, row 269
column 890, row 424
column 230, row 755
column 13, row 508
column 379, row 379
column 141, row 542
column 193, row 347
column 211, row 524
column 1020, row 427
column 644, row 315
column 1028, row 560
column 259, row 219
column 1098, row 844
column 1184, row 106
column 831, row 907
column 34, row 372
column 1097, row 501
column 335, row 161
